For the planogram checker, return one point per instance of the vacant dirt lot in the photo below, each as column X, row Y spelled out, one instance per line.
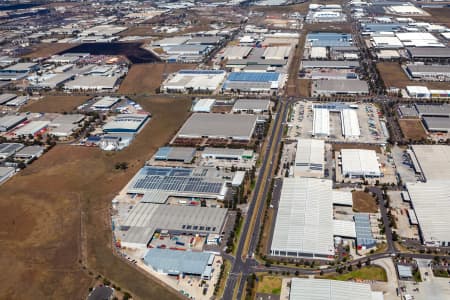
column 393, row 76
column 55, row 104
column 48, row 49
column 138, row 30
column 438, row 15
column 341, row 27
column 412, row 129
column 364, row 202
column 338, row 147
column 55, row 216
column 146, row 78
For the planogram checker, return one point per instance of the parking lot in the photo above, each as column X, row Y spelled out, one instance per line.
column 431, row 287
column 404, row 165
column 302, row 116
column 400, row 213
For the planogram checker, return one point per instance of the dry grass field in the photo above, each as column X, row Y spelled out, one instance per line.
column 146, row 78
column 269, row 285
column 393, row 76
column 364, row 202
column 412, row 129
column 55, row 216
column 48, row 49
column 55, row 104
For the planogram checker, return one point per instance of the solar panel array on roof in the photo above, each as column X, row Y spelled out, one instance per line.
column 174, row 180
column 253, row 76
column 363, row 229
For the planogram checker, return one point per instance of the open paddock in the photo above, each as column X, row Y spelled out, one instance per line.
column 56, row 215
column 412, row 129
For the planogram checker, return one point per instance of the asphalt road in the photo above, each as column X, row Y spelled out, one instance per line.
column 241, row 267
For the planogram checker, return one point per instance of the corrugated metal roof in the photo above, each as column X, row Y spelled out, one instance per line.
column 310, row 158
column 360, row 162
column 324, row 289
column 429, row 201
column 304, row 222
column 321, row 122
column 175, row 262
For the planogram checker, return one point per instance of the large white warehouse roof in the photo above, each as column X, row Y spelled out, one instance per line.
column 430, row 200
column 350, row 124
column 324, row 289
column 434, row 160
column 304, row 223
column 359, row 162
column 309, row 158
column 321, row 122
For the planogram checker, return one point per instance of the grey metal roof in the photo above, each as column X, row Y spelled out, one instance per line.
column 334, row 64
column 6, row 97
column 177, row 262
column 413, row 68
column 29, row 151
column 429, row 52
column 324, row 289
column 433, row 110
column 251, row 104
column 101, row 293
column 341, row 86
column 437, row 123
column 8, row 149
column 204, row 40
column 145, row 218
column 304, row 221
column 429, row 201
column 185, row 154
column 7, row 122
column 219, row 126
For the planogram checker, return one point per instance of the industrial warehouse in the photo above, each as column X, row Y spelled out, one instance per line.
column 145, row 219
column 219, row 126
column 435, row 117
column 433, row 163
column 348, row 115
column 304, row 225
column 253, row 82
column 310, row 158
column 185, row 81
column 359, row 163
column 325, row 289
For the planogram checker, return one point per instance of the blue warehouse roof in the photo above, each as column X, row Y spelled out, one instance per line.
column 253, row 76
column 175, row 262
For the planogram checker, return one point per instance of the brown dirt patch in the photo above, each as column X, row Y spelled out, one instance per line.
column 333, row 27
column 394, row 76
column 146, row 78
column 438, row 15
column 138, row 30
column 55, row 104
column 42, row 209
column 364, row 202
column 304, row 87
column 339, row 147
column 48, row 49
column 412, row 129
